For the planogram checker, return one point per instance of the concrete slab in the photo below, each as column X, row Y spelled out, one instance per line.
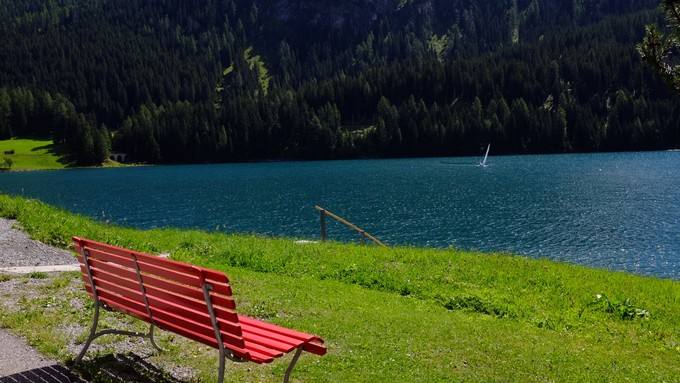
column 40, row 269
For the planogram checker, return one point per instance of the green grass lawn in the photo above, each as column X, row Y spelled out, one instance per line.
column 40, row 154
column 32, row 154
column 400, row 314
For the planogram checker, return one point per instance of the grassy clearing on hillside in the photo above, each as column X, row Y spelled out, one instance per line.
column 39, row 154
column 402, row 314
column 32, row 154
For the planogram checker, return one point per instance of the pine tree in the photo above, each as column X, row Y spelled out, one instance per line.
column 102, row 145
column 5, row 109
column 660, row 50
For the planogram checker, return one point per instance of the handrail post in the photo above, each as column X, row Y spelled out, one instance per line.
column 322, row 221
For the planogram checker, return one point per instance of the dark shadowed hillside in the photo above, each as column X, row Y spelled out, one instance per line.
column 187, row 81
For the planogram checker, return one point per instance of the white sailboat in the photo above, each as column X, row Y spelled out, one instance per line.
column 486, row 156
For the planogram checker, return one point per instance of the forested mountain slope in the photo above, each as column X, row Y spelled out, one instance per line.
column 224, row 80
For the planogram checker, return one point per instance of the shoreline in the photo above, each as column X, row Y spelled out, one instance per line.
column 266, row 161
column 119, row 165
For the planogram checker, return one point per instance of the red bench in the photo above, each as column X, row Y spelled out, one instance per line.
column 184, row 299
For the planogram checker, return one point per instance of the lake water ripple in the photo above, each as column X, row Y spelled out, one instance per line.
column 617, row 211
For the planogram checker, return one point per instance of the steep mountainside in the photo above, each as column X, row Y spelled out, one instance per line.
column 220, row 80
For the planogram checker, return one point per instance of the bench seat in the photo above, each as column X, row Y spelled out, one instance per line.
column 265, row 341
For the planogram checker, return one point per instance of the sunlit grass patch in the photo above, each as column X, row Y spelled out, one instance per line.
column 32, row 154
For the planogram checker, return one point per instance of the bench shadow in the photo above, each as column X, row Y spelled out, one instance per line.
column 50, row 374
column 128, row 367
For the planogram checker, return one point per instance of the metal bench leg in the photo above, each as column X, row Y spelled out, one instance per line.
column 153, row 341
column 207, row 287
column 93, row 334
column 220, row 371
column 291, row 366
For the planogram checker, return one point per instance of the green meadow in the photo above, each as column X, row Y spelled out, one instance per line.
column 399, row 314
column 39, row 154
column 32, row 154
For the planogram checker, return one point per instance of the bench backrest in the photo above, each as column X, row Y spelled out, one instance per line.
column 167, row 293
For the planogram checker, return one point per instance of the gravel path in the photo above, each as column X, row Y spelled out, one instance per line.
column 17, row 356
column 17, row 249
column 18, row 361
column 21, row 363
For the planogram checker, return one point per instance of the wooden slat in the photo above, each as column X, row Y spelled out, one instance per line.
column 113, row 304
column 169, row 291
column 121, row 304
column 219, row 280
column 260, row 339
column 167, row 320
column 274, row 328
column 195, row 327
column 197, row 336
column 254, row 347
column 211, row 275
column 310, row 343
column 256, row 356
column 161, row 273
column 194, row 304
column 191, row 277
column 194, row 315
column 99, row 274
column 270, row 335
column 153, row 282
column 164, row 322
column 130, row 297
column 315, row 347
column 112, row 269
column 128, row 262
column 187, row 291
column 131, row 294
column 183, row 307
column 110, row 258
column 169, row 274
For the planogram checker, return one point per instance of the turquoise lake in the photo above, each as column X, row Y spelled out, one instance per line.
column 616, row 211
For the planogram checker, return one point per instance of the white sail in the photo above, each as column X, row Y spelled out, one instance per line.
column 486, row 156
